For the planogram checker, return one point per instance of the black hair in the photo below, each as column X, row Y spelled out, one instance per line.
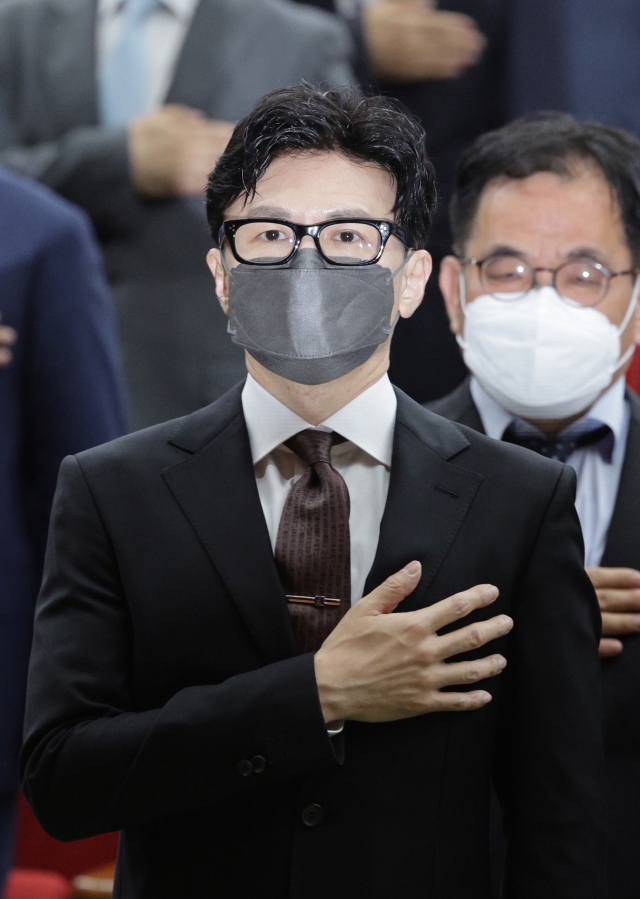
column 370, row 129
column 548, row 142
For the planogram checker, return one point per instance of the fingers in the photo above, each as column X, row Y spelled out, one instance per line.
column 389, row 594
column 473, row 636
column 461, row 702
column 619, row 600
column 614, row 578
column 458, row 606
column 616, row 624
column 457, row 673
column 608, row 648
column 8, row 338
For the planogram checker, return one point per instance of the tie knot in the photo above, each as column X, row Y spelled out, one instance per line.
column 136, row 10
column 313, row 446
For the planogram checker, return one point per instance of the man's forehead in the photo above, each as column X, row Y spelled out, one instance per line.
column 578, row 208
column 322, row 183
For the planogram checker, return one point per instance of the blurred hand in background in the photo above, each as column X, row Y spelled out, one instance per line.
column 8, row 337
column 173, row 149
column 411, row 40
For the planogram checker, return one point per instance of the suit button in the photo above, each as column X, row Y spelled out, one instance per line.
column 312, row 815
column 245, row 768
column 259, row 764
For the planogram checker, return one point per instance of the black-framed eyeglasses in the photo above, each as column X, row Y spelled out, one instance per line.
column 339, row 241
column 509, row 278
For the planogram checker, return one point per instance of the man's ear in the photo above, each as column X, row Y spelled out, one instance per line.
column 450, row 287
column 415, row 275
column 220, row 276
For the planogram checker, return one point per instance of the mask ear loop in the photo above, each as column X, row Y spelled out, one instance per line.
column 389, row 279
column 625, row 321
column 230, row 330
column 463, row 305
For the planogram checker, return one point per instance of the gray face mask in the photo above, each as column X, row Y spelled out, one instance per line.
column 309, row 321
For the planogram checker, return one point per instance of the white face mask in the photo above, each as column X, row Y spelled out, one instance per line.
column 541, row 356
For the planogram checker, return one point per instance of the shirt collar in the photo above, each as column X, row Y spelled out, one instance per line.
column 608, row 409
column 181, row 9
column 368, row 421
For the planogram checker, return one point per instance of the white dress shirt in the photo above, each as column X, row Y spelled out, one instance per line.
column 598, row 475
column 364, row 462
column 166, row 29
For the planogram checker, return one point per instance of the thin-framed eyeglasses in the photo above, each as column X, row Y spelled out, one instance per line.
column 581, row 280
column 340, row 242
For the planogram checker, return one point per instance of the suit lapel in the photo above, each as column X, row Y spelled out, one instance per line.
column 623, row 541
column 429, row 497
column 204, row 73
column 69, row 63
column 216, row 489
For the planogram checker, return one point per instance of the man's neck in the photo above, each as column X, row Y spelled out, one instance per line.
column 317, row 402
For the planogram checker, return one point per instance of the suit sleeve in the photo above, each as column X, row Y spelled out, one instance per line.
column 73, row 387
column 92, row 762
column 549, row 769
column 88, row 166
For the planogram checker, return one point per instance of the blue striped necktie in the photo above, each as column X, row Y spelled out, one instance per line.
column 124, row 79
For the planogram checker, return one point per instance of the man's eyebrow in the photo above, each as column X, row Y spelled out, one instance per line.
column 579, row 253
column 586, row 253
column 505, row 250
column 278, row 212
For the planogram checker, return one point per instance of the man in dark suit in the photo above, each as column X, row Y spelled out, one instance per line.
column 543, row 297
column 446, row 64
column 131, row 137
column 216, row 671
column 60, row 392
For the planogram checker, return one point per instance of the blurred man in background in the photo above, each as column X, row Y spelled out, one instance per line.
column 445, row 62
column 543, row 297
column 60, row 392
column 123, row 107
column 577, row 56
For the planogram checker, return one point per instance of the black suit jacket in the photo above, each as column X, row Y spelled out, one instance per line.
column 164, row 657
column 620, row 676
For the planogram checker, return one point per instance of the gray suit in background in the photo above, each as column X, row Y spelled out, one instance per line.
column 176, row 351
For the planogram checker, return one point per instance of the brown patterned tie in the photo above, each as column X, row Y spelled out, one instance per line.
column 313, row 548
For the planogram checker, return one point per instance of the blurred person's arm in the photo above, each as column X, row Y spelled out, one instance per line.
column 166, row 153
column 73, row 385
column 91, row 165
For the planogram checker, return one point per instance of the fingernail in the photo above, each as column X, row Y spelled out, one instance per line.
column 501, row 662
column 489, row 591
column 412, row 569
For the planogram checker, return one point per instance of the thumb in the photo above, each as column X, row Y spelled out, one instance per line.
column 391, row 592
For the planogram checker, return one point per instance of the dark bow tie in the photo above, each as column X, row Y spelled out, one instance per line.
column 563, row 445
